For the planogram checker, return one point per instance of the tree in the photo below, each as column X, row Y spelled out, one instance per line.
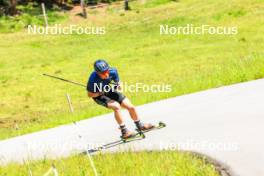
column 126, row 5
column 12, row 7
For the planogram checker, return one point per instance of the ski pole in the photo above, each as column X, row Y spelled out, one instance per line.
column 69, row 81
column 62, row 79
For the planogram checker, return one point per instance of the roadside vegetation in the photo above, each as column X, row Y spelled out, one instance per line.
column 167, row 163
column 132, row 43
column 28, row 14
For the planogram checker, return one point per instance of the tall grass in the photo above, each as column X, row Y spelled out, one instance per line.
column 167, row 163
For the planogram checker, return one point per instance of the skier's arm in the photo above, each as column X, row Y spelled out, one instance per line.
column 117, row 81
column 118, row 85
column 91, row 90
column 93, row 94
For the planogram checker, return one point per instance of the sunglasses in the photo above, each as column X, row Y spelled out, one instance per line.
column 105, row 73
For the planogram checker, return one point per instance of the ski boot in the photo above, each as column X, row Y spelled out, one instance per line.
column 143, row 126
column 125, row 133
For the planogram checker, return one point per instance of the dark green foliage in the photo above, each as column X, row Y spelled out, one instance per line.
column 30, row 14
column 3, row 7
column 9, row 7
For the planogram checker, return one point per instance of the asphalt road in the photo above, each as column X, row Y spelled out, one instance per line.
column 225, row 123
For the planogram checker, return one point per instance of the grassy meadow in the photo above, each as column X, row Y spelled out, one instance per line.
column 189, row 63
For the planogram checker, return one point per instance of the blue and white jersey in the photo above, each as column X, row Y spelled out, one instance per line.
column 95, row 82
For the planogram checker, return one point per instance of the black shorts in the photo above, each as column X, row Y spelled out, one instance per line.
column 107, row 97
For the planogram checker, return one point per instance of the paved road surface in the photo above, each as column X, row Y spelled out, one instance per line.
column 226, row 123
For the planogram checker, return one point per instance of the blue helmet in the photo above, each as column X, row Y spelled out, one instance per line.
column 101, row 66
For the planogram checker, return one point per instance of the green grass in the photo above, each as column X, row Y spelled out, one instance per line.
column 167, row 163
column 189, row 63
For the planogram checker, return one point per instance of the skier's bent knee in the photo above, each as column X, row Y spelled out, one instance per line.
column 131, row 108
column 116, row 107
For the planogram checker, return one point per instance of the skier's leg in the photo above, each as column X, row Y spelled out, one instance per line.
column 109, row 103
column 114, row 105
column 117, row 111
column 134, row 115
column 131, row 109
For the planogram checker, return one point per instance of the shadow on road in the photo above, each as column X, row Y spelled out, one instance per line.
column 110, row 145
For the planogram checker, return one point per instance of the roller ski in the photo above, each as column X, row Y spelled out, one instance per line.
column 128, row 136
column 143, row 128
